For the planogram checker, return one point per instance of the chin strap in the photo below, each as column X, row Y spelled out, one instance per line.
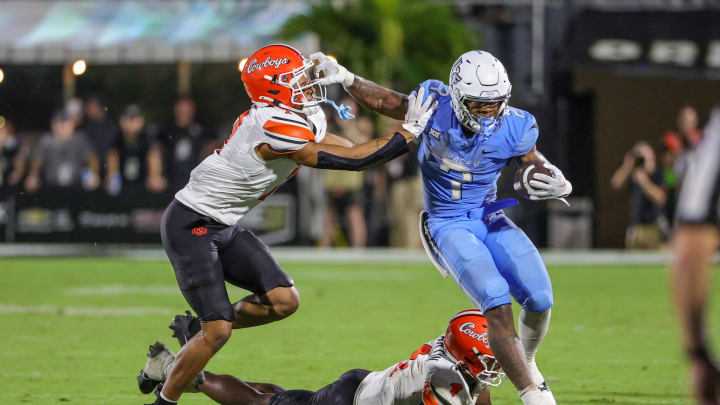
column 342, row 110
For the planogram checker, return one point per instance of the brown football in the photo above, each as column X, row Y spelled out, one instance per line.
column 524, row 174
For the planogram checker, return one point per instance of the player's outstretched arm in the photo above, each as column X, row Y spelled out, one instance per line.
column 334, row 155
column 369, row 94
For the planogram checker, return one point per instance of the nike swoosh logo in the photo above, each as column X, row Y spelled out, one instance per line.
column 485, row 152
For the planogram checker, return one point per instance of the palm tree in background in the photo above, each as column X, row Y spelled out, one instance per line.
column 398, row 43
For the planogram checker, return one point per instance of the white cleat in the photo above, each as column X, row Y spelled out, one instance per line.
column 538, row 379
column 159, row 362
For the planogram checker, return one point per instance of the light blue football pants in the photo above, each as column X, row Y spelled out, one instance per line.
column 491, row 258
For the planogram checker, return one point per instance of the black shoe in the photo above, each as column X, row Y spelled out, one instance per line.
column 158, row 390
column 184, row 327
column 145, row 383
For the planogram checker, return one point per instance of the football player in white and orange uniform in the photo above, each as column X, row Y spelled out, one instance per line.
column 200, row 231
column 456, row 368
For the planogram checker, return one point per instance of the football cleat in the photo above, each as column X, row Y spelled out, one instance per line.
column 184, row 327
column 160, row 358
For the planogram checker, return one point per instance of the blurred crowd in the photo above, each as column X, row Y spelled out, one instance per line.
column 87, row 149
column 651, row 175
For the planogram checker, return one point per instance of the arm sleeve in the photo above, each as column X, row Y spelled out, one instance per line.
column 394, row 148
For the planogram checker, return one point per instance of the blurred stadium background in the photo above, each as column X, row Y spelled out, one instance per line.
column 148, row 88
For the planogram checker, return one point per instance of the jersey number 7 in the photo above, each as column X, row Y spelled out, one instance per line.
column 456, row 185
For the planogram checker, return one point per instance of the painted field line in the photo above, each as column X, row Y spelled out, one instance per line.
column 10, row 309
column 123, row 289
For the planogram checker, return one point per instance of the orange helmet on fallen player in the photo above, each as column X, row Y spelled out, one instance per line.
column 279, row 75
column 466, row 341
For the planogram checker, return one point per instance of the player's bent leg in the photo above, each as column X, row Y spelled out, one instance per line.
column 506, row 345
column 276, row 304
column 520, row 264
column 228, row 390
column 193, row 357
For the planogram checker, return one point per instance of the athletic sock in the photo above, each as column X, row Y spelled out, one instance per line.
column 532, row 327
column 161, row 400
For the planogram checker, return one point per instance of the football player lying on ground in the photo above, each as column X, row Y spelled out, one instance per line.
column 456, row 368
column 471, row 136
column 200, row 231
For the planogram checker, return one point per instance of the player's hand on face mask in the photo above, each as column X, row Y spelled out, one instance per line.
column 329, row 71
column 545, row 187
column 418, row 112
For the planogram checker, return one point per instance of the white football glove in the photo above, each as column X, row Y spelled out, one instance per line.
column 545, row 187
column 333, row 72
column 418, row 113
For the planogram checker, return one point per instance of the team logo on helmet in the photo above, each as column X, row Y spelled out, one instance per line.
column 455, row 72
column 467, row 328
column 253, row 65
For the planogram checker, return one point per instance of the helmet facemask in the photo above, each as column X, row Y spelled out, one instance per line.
column 482, row 125
column 294, row 81
column 490, row 372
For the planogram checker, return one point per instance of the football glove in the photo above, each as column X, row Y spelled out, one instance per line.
column 332, row 72
column 418, row 112
column 545, row 187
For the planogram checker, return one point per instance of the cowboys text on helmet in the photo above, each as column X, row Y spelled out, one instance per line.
column 253, row 65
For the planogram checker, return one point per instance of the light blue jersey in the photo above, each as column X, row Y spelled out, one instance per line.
column 488, row 256
column 460, row 173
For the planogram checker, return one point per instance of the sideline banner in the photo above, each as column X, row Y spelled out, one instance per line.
column 64, row 216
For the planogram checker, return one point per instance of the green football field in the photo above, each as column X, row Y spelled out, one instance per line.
column 76, row 330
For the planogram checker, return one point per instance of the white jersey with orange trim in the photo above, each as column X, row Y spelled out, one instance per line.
column 234, row 179
column 403, row 383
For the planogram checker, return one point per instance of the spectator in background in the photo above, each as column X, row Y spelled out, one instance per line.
column 406, row 199
column 74, row 108
column 62, row 158
column 676, row 145
column 344, row 189
column 128, row 159
column 12, row 157
column 688, row 133
column 98, row 128
column 184, row 143
column 647, row 196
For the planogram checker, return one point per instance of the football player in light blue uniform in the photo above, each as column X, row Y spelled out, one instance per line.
column 470, row 137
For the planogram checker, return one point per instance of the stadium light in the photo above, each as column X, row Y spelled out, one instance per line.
column 241, row 64
column 79, row 67
column 2, row 75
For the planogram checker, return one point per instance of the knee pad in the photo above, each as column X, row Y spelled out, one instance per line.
column 485, row 292
column 539, row 301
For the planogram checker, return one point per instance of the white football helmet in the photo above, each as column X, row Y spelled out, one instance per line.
column 479, row 76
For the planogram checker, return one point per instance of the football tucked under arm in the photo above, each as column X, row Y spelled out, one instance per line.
column 538, row 179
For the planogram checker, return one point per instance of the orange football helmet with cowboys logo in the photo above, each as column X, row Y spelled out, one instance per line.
column 279, row 75
column 466, row 342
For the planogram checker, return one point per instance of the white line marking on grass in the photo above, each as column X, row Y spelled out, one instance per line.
column 123, row 289
column 352, row 275
column 10, row 309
